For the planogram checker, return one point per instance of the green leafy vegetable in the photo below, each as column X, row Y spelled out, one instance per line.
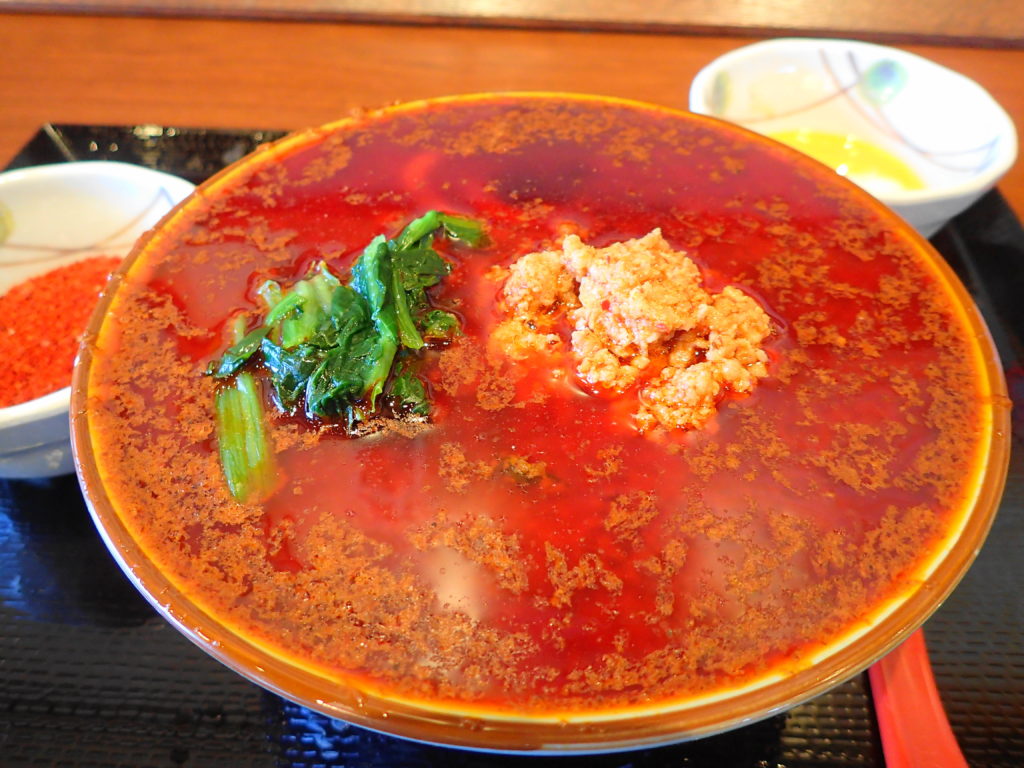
column 242, row 442
column 238, row 353
column 290, row 370
column 312, row 307
column 337, row 350
column 408, row 334
column 440, row 325
column 414, row 270
column 283, row 307
column 419, row 268
column 408, row 393
column 462, row 228
column 338, row 380
column 417, row 230
column 350, row 313
column 372, row 279
column 270, row 292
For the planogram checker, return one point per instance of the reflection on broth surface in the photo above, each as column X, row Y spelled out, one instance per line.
column 528, row 549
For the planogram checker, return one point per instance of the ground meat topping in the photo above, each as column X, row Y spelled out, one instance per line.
column 641, row 319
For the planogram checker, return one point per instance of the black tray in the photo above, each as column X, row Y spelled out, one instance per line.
column 90, row 675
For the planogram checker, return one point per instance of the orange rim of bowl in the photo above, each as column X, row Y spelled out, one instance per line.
column 578, row 731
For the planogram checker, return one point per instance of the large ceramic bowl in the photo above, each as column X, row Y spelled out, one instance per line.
column 54, row 215
column 527, row 571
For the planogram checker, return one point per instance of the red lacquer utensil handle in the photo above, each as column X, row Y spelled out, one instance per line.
column 915, row 730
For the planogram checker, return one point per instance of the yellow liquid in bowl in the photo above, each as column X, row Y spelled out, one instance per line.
column 870, row 166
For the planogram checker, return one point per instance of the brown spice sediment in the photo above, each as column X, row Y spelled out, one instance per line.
column 482, row 542
column 588, row 573
column 629, row 514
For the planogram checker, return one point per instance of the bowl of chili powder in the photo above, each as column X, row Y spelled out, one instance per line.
column 64, row 229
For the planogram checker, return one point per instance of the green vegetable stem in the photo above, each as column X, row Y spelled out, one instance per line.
column 245, row 452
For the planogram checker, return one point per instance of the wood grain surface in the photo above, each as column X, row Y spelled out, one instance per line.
column 978, row 22
column 285, row 74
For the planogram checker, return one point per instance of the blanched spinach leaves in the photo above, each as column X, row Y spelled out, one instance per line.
column 337, row 351
column 331, row 348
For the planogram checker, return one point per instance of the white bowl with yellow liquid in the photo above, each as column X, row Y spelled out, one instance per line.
column 921, row 138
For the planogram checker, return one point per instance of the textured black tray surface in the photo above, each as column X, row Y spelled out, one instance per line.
column 90, row 675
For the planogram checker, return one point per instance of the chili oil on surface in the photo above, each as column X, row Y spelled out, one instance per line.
column 529, row 551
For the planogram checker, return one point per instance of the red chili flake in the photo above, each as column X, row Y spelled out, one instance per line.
column 41, row 322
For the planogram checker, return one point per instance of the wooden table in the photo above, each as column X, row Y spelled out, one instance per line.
column 291, row 74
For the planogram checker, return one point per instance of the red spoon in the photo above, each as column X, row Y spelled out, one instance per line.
column 913, row 724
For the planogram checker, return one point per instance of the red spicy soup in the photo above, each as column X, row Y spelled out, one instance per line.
column 529, row 550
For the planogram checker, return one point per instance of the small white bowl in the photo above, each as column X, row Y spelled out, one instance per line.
column 54, row 215
column 943, row 126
